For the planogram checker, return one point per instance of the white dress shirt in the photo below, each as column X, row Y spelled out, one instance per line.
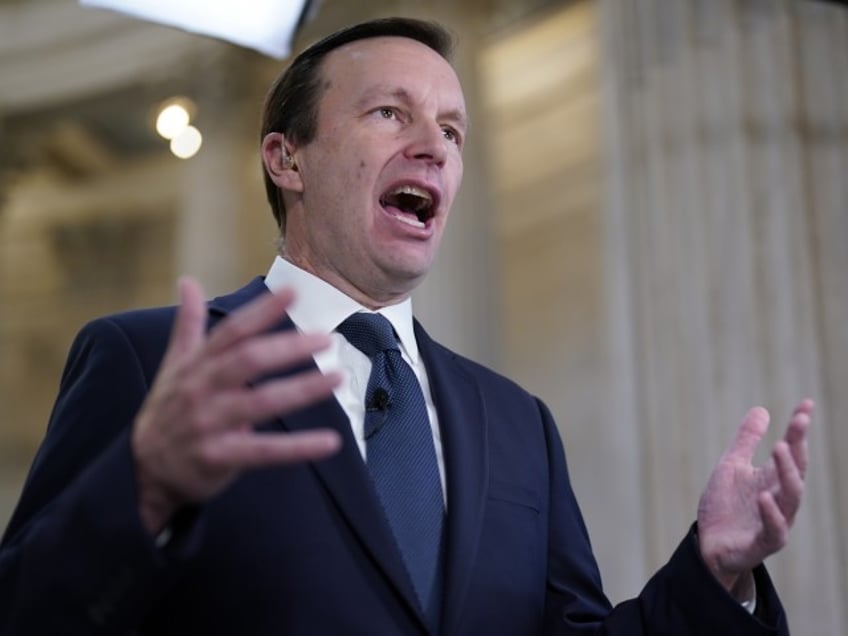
column 320, row 307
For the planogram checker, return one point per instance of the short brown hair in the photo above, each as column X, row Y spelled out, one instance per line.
column 291, row 105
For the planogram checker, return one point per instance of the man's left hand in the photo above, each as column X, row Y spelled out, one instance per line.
column 746, row 512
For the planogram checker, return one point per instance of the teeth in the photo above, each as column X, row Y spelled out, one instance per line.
column 414, row 204
column 409, row 220
column 411, row 189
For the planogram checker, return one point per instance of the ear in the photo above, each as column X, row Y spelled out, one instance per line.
column 280, row 163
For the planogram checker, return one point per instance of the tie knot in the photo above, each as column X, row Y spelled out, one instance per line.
column 370, row 333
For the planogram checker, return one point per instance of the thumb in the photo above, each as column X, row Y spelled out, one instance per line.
column 189, row 328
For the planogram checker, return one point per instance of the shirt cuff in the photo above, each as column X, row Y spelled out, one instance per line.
column 751, row 604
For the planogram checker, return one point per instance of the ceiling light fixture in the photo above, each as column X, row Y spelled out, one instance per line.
column 268, row 26
column 173, row 118
column 187, row 143
column 173, row 122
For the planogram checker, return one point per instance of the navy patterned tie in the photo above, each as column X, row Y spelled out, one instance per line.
column 401, row 457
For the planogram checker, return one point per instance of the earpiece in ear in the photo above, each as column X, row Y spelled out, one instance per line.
column 288, row 160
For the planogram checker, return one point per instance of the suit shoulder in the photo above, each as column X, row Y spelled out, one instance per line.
column 148, row 330
column 485, row 375
column 152, row 323
column 145, row 317
column 140, row 333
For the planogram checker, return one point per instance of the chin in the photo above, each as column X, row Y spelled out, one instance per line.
column 406, row 276
column 416, row 267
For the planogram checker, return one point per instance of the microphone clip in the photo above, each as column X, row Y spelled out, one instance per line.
column 376, row 411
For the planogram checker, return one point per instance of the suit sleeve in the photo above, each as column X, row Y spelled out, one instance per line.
column 681, row 598
column 75, row 558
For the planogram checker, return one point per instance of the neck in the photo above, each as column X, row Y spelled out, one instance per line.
column 373, row 297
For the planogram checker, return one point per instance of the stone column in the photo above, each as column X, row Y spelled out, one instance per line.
column 726, row 129
column 212, row 216
column 543, row 90
column 207, row 219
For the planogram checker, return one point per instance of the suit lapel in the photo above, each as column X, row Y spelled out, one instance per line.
column 344, row 475
column 462, row 421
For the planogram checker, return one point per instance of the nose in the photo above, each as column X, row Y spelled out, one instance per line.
column 427, row 143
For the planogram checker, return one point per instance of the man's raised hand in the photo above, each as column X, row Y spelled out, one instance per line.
column 194, row 433
column 746, row 512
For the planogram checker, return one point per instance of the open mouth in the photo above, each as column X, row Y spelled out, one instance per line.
column 409, row 204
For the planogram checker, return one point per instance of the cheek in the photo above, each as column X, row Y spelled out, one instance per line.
column 458, row 173
column 453, row 175
column 454, row 182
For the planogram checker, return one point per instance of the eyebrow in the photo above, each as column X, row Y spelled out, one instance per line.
column 455, row 115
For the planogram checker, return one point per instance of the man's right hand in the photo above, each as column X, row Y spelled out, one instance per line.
column 194, row 433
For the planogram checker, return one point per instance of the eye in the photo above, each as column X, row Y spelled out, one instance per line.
column 387, row 112
column 451, row 135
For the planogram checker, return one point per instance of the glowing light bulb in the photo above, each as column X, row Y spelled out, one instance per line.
column 187, row 143
column 172, row 120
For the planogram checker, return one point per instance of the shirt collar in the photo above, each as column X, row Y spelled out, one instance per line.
column 320, row 307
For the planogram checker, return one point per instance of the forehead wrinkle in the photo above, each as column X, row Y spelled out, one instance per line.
column 384, row 90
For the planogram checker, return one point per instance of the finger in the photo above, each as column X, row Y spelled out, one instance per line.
column 791, row 482
column 240, row 451
column 255, row 317
column 805, row 406
column 749, row 434
column 775, row 528
column 260, row 356
column 796, row 438
column 270, row 399
column 189, row 325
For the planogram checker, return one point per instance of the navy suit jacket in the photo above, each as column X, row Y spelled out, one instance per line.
column 304, row 549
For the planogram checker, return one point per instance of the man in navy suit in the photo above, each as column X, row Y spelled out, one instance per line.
column 205, row 469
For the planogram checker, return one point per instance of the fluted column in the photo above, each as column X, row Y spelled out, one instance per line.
column 726, row 129
column 216, row 184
